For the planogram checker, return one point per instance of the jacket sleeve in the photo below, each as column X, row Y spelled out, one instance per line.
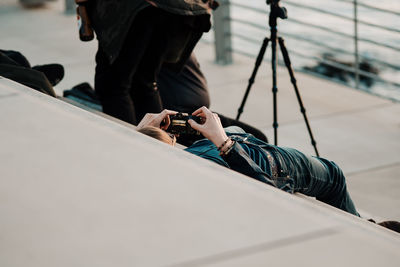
column 239, row 161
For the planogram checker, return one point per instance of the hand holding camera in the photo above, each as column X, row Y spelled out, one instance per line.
column 211, row 127
column 159, row 120
column 180, row 124
column 202, row 121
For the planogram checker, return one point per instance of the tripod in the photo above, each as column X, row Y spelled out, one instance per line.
column 275, row 13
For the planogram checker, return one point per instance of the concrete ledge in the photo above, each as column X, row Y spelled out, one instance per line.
column 80, row 190
column 358, row 131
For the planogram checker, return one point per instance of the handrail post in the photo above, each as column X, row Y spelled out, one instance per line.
column 356, row 58
column 222, row 33
column 70, row 7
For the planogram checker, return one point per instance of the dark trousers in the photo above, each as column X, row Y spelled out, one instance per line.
column 125, row 88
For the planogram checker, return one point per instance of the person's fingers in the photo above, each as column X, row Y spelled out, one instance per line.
column 169, row 112
column 145, row 121
column 162, row 114
column 195, row 125
column 199, row 114
column 160, row 117
column 207, row 112
column 200, row 111
column 167, row 118
column 155, row 119
column 146, row 117
column 167, row 122
column 196, row 112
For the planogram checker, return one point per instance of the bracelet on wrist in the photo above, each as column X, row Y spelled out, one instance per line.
column 227, row 149
column 223, row 144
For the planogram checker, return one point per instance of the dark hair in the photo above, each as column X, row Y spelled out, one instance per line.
column 392, row 225
column 157, row 133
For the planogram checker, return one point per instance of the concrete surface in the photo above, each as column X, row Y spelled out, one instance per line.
column 358, row 131
column 81, row 190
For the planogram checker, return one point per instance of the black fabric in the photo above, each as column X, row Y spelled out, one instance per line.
column 28, row 77
column 125, row 87
column 112, row 20
column 226, row 122
column 185, row 91
column 184, row 7
column 11, row 69
column 53, row 72
column 14, row 58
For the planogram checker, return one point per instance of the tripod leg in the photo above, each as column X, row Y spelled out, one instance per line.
column 253, row 75
column 288, row 64
column 274, row 83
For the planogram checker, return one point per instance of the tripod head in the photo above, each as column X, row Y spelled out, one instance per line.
column 276, row 12
column 269, row 2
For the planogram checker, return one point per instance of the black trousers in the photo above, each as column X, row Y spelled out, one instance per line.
column 127, row 88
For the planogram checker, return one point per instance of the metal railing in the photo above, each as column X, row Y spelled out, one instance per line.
column 224, row 35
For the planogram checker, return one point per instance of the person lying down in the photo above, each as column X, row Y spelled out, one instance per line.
column 285, row 168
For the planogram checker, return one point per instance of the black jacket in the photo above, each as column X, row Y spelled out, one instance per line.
column 14, row 66
column 111, row 19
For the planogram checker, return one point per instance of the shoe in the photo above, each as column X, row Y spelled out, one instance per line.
column 53, row 72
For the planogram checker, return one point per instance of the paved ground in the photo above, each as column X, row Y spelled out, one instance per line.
column 358, row 131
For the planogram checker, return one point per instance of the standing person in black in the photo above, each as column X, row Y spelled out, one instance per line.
column 135, row 38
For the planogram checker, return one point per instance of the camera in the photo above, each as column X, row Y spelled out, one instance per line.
column 179, row 124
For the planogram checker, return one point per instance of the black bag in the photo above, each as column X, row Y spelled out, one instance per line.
column 84, row 94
